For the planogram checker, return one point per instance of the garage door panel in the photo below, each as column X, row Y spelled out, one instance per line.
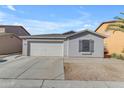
column 55, row 50
column 35, row 49
column 46, row 49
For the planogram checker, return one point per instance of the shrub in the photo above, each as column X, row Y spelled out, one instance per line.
column 121, row 57
column 114, row 55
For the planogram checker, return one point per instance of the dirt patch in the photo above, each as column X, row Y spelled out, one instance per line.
column 94, row 71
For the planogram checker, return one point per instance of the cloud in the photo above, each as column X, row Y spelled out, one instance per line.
column 35, row 26
column 2, row 15
column 81, row 7
column 42, row 27
column 84, row 14
column 11, row 7
column 87, row 26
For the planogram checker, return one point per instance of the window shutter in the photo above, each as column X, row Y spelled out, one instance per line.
column 80, row 45
column 92, row 45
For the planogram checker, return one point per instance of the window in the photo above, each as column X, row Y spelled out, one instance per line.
column 2, row 30
column 86, row 45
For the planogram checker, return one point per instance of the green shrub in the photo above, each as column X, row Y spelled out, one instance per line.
column 121, row 57
column 117, row 56
column 114, row 55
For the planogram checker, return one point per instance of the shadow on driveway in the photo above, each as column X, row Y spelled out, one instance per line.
column 2, row 60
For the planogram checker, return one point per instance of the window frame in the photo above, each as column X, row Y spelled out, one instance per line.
column 91, row 46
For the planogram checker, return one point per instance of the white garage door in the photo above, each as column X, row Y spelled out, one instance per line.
column 46, row 49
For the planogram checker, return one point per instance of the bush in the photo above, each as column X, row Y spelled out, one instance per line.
column 114, row 55
column 121, row 57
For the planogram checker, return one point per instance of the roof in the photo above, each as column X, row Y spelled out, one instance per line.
column 50, row 35
column 92, row 32
column 16, row 26
column 59, row 36
column 9, row 34
column 56, row 36
column 113, row 21
column 69, row 32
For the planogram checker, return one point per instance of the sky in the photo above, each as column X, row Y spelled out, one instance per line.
column 44, row 19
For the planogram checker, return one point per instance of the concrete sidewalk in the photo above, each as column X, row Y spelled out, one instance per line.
column 81, row 84
column 19, row 83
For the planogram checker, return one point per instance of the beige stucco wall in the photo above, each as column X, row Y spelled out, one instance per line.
column 10, row 44
column 114, row 41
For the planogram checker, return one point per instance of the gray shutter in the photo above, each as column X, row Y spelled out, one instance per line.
column 80, row 45
column 92, row 45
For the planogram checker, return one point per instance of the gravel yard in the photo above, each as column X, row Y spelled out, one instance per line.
column 94, row 69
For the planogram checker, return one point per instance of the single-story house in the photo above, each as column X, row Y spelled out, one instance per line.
column 78, row 44
column 9, row 38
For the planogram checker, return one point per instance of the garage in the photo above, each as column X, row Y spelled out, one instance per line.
column 45, row 48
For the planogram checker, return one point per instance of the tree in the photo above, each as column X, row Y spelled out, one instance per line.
column 117, row 26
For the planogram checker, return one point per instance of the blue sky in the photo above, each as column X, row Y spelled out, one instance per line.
column 58, row 19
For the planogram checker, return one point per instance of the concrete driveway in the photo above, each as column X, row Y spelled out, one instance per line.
column 36, row 68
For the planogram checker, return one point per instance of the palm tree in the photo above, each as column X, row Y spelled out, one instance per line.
column 117, row 26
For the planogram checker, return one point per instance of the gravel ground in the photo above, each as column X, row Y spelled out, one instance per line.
column 94, row 69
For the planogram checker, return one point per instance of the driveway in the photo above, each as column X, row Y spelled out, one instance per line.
column 48, row 72
column 95, row 69
column 36, row 68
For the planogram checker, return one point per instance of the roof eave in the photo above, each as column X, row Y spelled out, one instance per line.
column 28, row 37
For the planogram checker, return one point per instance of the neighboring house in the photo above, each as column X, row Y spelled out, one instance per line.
column 9, row 38
column 71, row 44
column 114, row 43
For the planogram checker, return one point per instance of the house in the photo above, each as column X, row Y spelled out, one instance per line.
column 9, row 38
column 114, row 43
column 70, row 44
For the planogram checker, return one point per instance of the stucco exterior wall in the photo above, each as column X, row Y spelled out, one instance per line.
column 114, row 41
column 73, row 46
column 10, row 44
